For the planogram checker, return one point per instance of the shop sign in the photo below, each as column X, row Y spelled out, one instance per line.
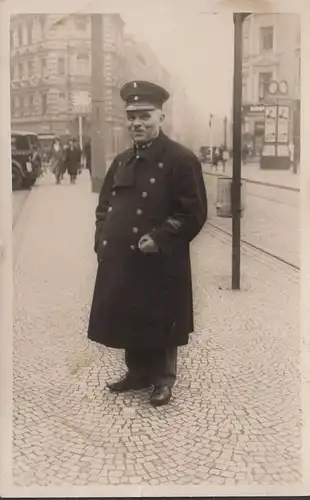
column 253, row 109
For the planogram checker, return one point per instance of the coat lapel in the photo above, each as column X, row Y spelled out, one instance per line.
column 125, row 174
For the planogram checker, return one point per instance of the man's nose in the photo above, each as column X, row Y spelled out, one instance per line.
column 137, row 123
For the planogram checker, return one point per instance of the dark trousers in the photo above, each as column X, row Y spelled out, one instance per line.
column 155, row 366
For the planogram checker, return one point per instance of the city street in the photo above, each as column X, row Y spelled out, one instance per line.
column 270, row 219
column 235, row 416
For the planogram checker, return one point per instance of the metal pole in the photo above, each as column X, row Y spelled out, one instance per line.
column 236, row 178
column 81, row 132
column 225, row 132
column 98, row 124
column 211, row 140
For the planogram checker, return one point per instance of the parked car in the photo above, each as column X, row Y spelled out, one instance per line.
column 26, row 163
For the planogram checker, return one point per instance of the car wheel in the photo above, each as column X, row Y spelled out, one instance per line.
column 17, row 179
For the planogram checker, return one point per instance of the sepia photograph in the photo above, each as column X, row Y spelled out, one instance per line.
column 155, row 164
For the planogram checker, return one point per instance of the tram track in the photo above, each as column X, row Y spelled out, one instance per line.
column 257, row 248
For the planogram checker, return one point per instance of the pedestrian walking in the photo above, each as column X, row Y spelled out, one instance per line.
column 244, row 154
column 72, row 158
column 215, row 158
column 152, row 204
column 79, row 154
column 56, row 157
column 87, row 155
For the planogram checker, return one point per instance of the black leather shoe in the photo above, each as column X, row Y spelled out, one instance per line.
column 161, row 396
column 127, row 383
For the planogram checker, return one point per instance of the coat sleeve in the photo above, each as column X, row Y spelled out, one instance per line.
column 189, row 207
column 103, row 203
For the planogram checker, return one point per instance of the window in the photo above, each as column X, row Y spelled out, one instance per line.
column 20, row 70
column 44, row 103
column 31, row 103
column 266, row 37
column 42, row 25
column 20, row 142
column 263, row 81
column 43, row 67
column 29, row 33
column 61, row 65
column 20, row 35
column 82, row 64
column 21, row 105
column 81, row 22
column 30, row 68
column 244, row 86
column 16, row 103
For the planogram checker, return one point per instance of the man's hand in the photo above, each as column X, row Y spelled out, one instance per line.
column 147, row 245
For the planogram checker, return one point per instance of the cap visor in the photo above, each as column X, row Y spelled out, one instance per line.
column 140, row 107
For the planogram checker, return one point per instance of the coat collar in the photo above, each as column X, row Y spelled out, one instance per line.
column 150, row 153
column 125, row 177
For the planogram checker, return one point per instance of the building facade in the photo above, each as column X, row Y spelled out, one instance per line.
column 271, row 51
column 51, row 73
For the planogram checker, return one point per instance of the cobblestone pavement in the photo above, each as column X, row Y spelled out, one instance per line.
column 235, row 414
column 270, row 219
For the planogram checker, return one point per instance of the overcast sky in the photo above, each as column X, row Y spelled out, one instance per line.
column 197, row 48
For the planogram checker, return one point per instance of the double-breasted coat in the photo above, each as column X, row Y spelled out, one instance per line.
column 145, row 300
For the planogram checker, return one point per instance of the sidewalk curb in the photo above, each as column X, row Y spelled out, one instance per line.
column 252, row 181
column 20, row 225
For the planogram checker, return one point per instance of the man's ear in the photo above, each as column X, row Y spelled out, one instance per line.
column 162, row 117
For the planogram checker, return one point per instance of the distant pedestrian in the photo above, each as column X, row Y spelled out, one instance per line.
column 72, row 158
column 245, row 154
column 79, row 154
column 215, row 158
column 224, row 157
column 87, row 155
column 56, row 157
column 151, row 206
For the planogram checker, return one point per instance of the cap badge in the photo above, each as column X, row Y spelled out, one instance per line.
column 136, row 98
column 135, row 84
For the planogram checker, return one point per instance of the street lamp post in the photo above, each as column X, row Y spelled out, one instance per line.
column 98, row 124
column 236, row 178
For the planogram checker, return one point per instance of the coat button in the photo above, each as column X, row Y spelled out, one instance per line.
column 113, row 193
column 144, row 194
column 104, row 243
column 132, row 247
column 135, row 229
column 110, row 209
column 152, row 180
column 139, row 211
column 161, row 165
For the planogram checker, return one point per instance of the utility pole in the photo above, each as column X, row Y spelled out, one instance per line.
column 98, row 124
column 236, row 178
column 225, row 132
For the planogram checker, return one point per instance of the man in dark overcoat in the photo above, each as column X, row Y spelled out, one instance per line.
column 151, row 206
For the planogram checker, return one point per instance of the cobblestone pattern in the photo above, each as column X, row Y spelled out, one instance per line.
column 235, row 413
column 270, row 219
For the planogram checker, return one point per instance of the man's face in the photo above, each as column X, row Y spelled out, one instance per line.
column 144, row 125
